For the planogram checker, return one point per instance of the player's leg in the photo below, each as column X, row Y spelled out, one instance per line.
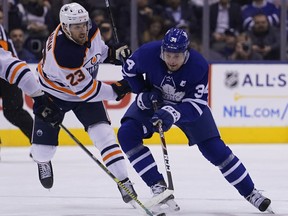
column 136, row 126
column 95, row 120
column 44, row 144
column 204, row 132
column 130, row 137
column 13, row 111
column 233, row 171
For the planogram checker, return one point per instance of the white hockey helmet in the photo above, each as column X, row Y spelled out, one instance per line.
column 72, row 13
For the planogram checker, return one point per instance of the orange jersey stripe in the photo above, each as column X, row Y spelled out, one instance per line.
column 4, row 45
column 112, row 154
column 14, row 72
column 52, row 84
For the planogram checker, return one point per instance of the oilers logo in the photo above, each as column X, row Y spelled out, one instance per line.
column 169, row 90
column 92, row 65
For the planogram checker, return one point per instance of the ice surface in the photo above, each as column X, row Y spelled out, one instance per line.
column 81, row 188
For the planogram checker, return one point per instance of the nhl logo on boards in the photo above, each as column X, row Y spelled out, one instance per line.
column 231, row 79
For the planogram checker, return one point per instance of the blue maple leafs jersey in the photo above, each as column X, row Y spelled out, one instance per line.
column 186, row 89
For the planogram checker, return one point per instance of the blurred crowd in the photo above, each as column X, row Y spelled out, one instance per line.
column 239, row 29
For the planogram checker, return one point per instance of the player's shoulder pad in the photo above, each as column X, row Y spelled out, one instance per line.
column 198, row 63
column 67, row 53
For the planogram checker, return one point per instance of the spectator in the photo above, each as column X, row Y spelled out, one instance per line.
column 1, row 17
column 107, row 32
column 260, row 6
column 145, row 13
column 155, row 31
column 230, row 43
column 265, row 38
column 176, row 10
column 243, row 49
column 196, row 44
column 223, row 15
column 36, row 20
column 17, row 37
column 98, row 16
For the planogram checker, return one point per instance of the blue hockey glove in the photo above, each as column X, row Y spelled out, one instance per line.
column 121, row 88
column 47, row 110
column 145, row 100
column 167, row 116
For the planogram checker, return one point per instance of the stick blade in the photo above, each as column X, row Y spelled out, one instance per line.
column 159, row 198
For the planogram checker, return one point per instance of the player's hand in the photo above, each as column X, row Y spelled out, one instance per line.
column 118, row 53
column 166, row 116
column 145, row 100
column 47, row 110
column 122, row 53
column 121, row 88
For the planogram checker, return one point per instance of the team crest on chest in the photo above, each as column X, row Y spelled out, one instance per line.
column 169, row 89
column 92, row 64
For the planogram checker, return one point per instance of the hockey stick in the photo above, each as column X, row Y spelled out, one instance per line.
column 115, row 35
column 103, row 167
column 164, row 150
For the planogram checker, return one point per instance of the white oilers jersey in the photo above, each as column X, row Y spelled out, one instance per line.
column 17, row 72
column 68, row 70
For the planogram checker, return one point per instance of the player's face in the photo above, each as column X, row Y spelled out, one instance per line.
column 173, row 60
column 79, row 32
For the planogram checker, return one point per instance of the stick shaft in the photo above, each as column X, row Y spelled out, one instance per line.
column 115, row 35
column 104, row 168
column 164, row 151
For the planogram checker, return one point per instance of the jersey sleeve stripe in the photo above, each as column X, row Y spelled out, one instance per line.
column 43, row 84
column 15, row 71
column 91, row 90
column 96, row 93
column 85, row 88
column 21, row 75
column 9, row 68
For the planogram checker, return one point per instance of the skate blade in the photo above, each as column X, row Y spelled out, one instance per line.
column 157, row 199
column 133, row 204
column 160, row 210
column 269, row 210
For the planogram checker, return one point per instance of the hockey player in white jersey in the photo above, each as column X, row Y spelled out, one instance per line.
column 12, row 96
column 17, row 72
column 67, row 73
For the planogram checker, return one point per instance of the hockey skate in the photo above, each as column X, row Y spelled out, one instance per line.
column 259, row 201
column 167, row 205
column 45, row 174
column 125, row 196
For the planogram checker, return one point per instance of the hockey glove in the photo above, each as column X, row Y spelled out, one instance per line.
column 145, row 100
column 118, row 54
column 47, row 110
column 167, row 116
column 121, row 88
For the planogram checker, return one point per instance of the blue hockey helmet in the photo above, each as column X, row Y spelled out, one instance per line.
column 175, row 40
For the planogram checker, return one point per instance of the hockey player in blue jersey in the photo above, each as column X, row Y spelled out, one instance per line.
column 177, row 77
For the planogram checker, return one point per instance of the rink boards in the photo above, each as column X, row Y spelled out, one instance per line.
column 249, row 103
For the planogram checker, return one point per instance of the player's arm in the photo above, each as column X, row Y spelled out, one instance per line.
column 17, row 72
column 90, row 90
column 132, row 74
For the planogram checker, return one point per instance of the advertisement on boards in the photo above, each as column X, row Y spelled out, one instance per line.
column 249, row 95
